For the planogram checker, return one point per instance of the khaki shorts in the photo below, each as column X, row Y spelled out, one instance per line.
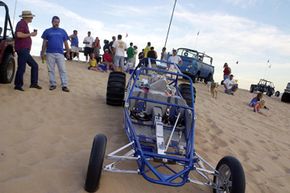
column 75, row 49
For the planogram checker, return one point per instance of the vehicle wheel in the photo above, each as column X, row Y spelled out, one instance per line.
column 7, row 69
column 115, row 102
column 252, row 88
column 208, row 79
column 96, row 163
column 186, row 93
column 285, row 97
column 117, row 76
column 277, row 93
column 184, row 86
column 197, row 76
column 117, row 79
column 116, row 89
column 231, row 176
column 192, row 77
column 269, row 93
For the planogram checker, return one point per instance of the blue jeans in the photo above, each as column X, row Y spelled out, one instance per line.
column 23, row 58
column 58, row 59
column 226, row 77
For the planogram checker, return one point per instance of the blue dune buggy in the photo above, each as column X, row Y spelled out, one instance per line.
column 159, row 120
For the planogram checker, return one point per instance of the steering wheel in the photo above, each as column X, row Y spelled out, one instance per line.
column 141, row 116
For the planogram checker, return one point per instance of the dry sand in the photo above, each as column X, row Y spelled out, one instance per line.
column 46, row 136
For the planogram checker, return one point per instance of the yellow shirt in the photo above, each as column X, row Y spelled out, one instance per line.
column 93, row 63
column 146, row 50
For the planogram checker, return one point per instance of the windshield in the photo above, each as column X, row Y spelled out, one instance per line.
column 187, row 53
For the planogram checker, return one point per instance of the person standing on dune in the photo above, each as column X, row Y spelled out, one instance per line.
column 119, row 48
column 53, row 40
column 88, row 49
column 23, row 44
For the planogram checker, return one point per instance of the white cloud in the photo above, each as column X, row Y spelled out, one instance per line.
column 52, row 8
column 127, row 10
column 242, row 3
column 119, row 10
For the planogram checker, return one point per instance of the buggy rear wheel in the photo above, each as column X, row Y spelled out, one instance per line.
column 96, row 163
column 186, row 93
column 116, row 88
column 230, row 177
column 117, row 77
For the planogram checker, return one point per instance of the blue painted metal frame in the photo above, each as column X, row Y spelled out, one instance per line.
column 145, row 167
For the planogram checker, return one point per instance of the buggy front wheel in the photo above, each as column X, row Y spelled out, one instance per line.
column 96, row 163
column 230, row 177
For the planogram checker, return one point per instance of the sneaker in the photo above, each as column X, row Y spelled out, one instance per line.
column 52, row 87
column 18, row 88
column 65, row 89
column 35, row 86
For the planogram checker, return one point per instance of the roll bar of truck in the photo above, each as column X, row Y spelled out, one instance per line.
column 7, row 21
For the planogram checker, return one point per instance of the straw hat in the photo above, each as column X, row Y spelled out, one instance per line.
column 26, row 14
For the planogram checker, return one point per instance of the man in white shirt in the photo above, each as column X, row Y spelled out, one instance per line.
column 88, row 41
column 174, row 59
column 230, row 85
column 119, row 48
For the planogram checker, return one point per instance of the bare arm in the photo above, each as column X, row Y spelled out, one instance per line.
column 24, row 35
column 70, row 37
column 66, row 46
column 43, row 49
column 67, row 49
column 180, row 61
column 44, row 46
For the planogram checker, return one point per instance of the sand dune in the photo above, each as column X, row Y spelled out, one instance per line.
column 46, row 136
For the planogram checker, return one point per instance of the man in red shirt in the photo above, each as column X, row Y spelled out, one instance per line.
column 22, row 47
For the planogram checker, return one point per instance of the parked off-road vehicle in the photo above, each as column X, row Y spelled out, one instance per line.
column 264, row 86
column 196, row 65
column 286, row 95
column 7, row 62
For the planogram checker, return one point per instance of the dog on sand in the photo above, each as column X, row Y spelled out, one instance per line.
column 214, row 89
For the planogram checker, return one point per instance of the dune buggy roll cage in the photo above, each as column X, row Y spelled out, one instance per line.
column 154, row 167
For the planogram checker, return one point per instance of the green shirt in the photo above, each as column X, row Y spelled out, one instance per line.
column 130, row 52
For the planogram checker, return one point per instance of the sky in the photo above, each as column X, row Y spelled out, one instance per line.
column 251, row 32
